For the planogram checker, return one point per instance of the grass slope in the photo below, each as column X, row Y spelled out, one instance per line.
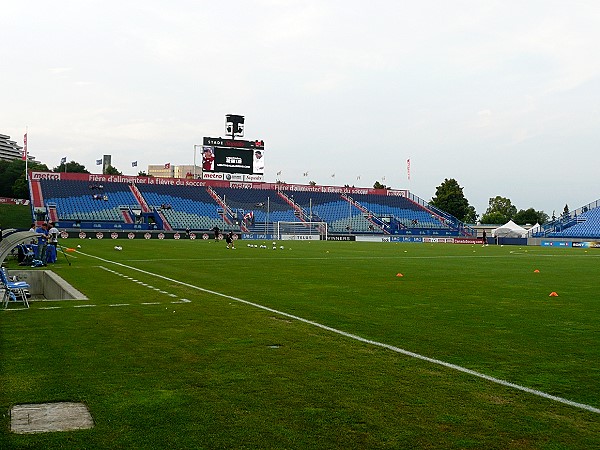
column 15, row 216
column 216, row 372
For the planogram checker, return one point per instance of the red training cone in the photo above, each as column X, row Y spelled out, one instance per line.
column 399, row 274
column 553, row 294
column 536, row 271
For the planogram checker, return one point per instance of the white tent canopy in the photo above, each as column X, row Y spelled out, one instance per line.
column 510, row 230
column 534, row 229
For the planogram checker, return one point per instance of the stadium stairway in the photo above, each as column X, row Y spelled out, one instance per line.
column 225, row 212
column 37, row 198
column 369, row 215
column 298, row 210
column 139, row 197
column 165, row 223
column 52, row 212
column 126, row 212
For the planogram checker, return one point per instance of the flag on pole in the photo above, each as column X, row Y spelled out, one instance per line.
column 167, row 165
column 305, row 174
column 98, row 162
column 333, row 175
column 134, row 164
column 408, row 168
column 63, row 160
column 358, row 177
column 25, row 147
column 279, row 173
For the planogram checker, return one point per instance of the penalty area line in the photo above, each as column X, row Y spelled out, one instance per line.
column 369, row 341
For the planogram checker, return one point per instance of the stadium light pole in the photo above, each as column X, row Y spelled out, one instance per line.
column 195, row 145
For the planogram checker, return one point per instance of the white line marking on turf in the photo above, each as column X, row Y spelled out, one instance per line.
column 148, row 286
column 120, row 304
column 84, row 306
column 368, row 341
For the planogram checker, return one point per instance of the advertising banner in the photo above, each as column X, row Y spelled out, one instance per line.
column 555, row 244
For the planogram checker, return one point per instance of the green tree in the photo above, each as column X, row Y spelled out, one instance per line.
column 379, row 185
column 530, row 215
column 494, row 217
column 141, row 173
column 73, row 167
column 12, row 177
column 110, row 170
column 471, row 216
column 500, row 210
column 449, row 197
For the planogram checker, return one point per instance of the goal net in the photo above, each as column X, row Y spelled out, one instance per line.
column 301, row 230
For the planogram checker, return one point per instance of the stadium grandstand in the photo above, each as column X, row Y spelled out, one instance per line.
column 582, row 223
column 130, row 203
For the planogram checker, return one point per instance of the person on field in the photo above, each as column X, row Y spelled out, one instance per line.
column 53, row 239
column 42, row 242
column 229, row 239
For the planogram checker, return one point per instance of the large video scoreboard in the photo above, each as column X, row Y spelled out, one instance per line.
column 233, row 160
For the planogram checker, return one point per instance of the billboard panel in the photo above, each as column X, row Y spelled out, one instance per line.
column 228, row 156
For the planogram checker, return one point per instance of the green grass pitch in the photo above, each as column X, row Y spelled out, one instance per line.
column 185, row 344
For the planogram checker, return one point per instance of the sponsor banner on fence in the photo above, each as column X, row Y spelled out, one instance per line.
column 341, row 237
column 555, row 244
column 469, row 241
column 300, row 237
column 258, row 236
column 14, row 201
column 368, row 238
column 438, row 240
column 406, row 239
column 587, row 244
column 215, row 179
column 91, row 234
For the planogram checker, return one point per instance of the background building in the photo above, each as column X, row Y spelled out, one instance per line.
column 187, row 171
column 9, row 150
column 171, row 171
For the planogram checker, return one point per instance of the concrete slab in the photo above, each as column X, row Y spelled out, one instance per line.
column 47, row 417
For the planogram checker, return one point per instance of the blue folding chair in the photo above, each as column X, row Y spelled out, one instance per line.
column 13, row 290
column 26, row 254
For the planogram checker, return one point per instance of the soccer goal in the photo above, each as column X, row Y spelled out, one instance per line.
column 301, row 231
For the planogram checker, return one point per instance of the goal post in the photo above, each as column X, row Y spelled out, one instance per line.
column 301, row 231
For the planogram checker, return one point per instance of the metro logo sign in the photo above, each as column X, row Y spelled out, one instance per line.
column 212, row 176
column 45, row 176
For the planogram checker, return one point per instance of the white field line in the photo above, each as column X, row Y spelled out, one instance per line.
column 170, row 294
column 367, row 341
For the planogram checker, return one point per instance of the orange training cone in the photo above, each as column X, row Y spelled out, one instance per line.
column 536, row 271
column 553, row 294
column 399, row 274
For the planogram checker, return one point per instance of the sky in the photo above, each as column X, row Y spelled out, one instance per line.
column 502, row 96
